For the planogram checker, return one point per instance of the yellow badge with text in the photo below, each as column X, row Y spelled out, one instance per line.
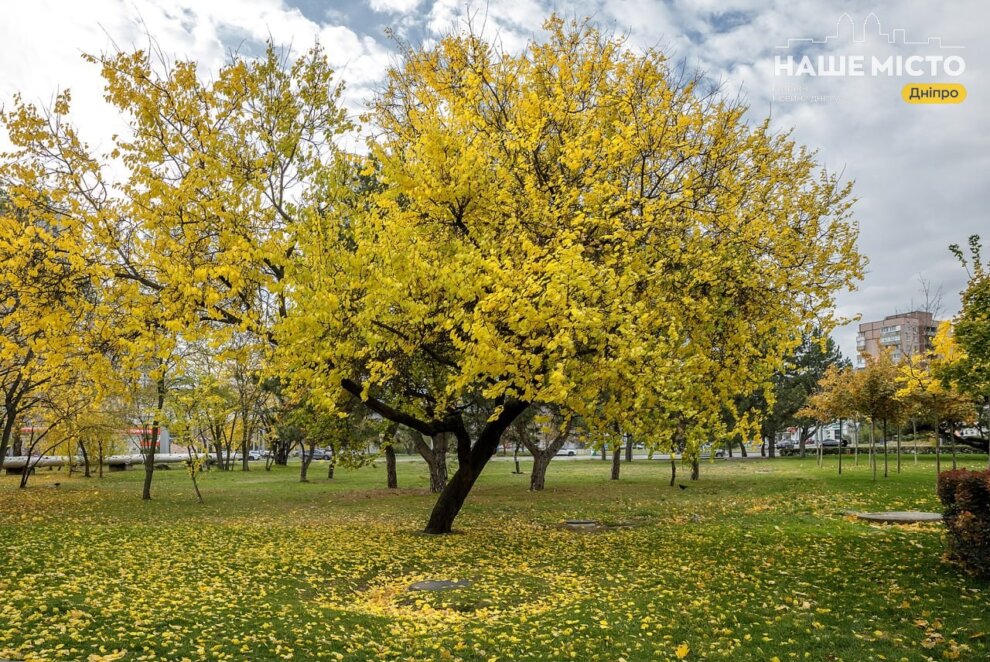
column 933, row 93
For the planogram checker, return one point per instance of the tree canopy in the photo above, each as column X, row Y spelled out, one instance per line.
column 578, row 225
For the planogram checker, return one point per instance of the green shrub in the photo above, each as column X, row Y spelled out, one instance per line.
column 965, row 497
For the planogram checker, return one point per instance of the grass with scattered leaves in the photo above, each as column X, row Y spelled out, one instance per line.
column 757, row 560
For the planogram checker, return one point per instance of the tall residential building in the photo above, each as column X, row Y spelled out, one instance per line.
column 903, row 334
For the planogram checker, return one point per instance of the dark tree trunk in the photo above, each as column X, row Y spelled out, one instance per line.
column 898, row 433
column 695, row 469
column 873, row 447
column 938, row 448
column 149, row 457
column 306, row 459
column 86, row 472
column 333, row 465
column 616, row 457
column 436, row 458
column 673, row 470
column 12, row 401
column 772, row 445
column 841, row 449
column 604, row 456
column 471, row 462
column 391, row 479
column 10, row 418
column 952, row 438
column 629, row 448
column 538, row 478
column 245, row 438
column 885, row 448
column 515, row 458
column 742, row 448
column 543, row 456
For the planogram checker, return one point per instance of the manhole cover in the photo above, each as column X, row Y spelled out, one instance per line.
column 580, row 523
column 439, row 584
column 900, row 517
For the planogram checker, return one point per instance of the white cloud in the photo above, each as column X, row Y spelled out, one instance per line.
column 394, row 6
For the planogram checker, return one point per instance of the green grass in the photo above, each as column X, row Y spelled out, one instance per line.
column 754, row 561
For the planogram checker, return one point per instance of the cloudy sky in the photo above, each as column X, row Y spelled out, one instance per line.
column 921, row 171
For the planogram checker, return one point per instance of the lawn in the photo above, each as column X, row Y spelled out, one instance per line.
column 754, row 561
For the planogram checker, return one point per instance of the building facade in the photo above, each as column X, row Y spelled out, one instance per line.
column 904, row 335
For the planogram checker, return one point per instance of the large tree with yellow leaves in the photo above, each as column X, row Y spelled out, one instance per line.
column 577, row 225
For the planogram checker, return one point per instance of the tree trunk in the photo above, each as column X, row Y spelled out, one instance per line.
column 821, row 446
column 841, row 449
column 436, row 458
column 99, row 450
column 11, row 405
column 149, row 456
column 392, row 479
column 673, row 469
column 856, row 425
column 938, row 449
column 193, row 474
column 245, row 438
column 86, row 472
column 914, row 439
column 898, row 448
column 471, row 462
column 742, row 448
column 306, row 459
column 629, row 448
column 772, row 445
column 438, row 470
column 603, row 453
column 873, row 454
column 616, row 457
column 695, row 468
column 538, row 477
column 333, row 465
column 885, row 448
column 952, row 437
column 515, row 458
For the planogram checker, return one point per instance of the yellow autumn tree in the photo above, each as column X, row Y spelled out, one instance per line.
column 55, row 330
column 576, row 225
column 834, row 399
column 921, row 385
column 188, row 235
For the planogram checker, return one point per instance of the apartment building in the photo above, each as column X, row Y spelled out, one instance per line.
column 904, row 334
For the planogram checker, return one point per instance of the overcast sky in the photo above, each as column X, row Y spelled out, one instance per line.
column 921, row 171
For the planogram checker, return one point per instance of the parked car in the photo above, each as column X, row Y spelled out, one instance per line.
column 254, row 455
column 322, row 454
column 566, row 452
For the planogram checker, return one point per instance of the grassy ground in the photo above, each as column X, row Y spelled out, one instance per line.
column 754, row 561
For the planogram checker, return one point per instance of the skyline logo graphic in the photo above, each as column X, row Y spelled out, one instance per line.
column 843, row 64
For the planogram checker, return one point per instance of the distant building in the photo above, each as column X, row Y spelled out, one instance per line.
column 904, row 334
